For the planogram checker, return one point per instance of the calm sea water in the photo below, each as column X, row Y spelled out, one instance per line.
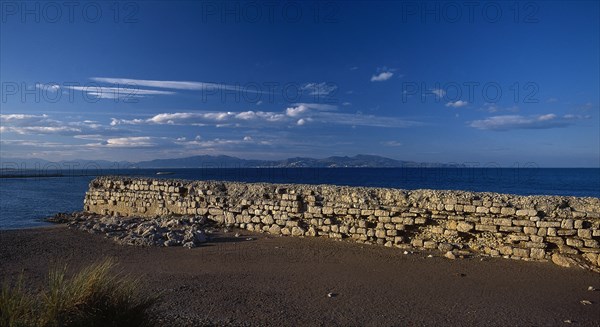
column 24, row 202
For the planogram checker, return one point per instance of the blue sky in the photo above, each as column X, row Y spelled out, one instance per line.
column 496, row 83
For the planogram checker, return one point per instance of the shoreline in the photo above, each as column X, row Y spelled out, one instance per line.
column 274, row 280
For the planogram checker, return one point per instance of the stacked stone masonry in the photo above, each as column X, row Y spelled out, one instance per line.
column 521, row 227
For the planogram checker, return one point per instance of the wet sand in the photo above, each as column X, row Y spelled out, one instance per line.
column 285, row 281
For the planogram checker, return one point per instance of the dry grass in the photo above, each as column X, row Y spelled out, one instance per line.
column 95, row 296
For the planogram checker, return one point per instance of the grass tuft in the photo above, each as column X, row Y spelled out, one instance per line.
column 95, row 296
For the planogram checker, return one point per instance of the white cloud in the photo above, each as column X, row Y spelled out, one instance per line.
column 457, row 104
column 220, row 119
column 383, row 76
column 7, row 118
column 296, row 111
column 317, row 106
column 298, row 114
column 132, row 142
column 508, row 122
column 319, row 88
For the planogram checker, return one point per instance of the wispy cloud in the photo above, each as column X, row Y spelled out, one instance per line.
column 392, row 143
column 43, row 125
column 494, row 108
column 439, row 92
column 175, row 85
column 119, row 92
column 321, row 89
column 510, row 122
column 457, row 104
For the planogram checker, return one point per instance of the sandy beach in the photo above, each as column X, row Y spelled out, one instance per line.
column 276, row 281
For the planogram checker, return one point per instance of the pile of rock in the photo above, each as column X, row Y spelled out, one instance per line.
column 168, row 231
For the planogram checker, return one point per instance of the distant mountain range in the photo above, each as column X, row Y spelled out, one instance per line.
column 207, row 161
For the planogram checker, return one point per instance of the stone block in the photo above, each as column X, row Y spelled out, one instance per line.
column 464, row 227
column 420, row 220
column 486, row 228
column 521, row 253
column 503, row 221
column 530, row 245
column 539, row 254
column 575, row 242
column 511, row 229
column 517, row 238
column 429, row 244
column 584, row 233
column 507, row 211
column 275, row 229
column 298, row 231
column 469, row 208
column 548, row 224
column 567, row 224
column 382, row 213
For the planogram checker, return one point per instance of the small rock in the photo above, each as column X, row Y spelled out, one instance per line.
column 445, row 247
column 591, row 288
column 450, row 255
column 331, row 294
column 238, row 234
column 430, row 256
column 249, row 239
column 585, row 302
column 189, row 245
column 405, row 252
column 568, row 321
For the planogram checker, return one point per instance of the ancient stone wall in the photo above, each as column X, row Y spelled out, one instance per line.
column 521, row 227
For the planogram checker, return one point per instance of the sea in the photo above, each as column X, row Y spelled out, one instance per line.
column 26, row 201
